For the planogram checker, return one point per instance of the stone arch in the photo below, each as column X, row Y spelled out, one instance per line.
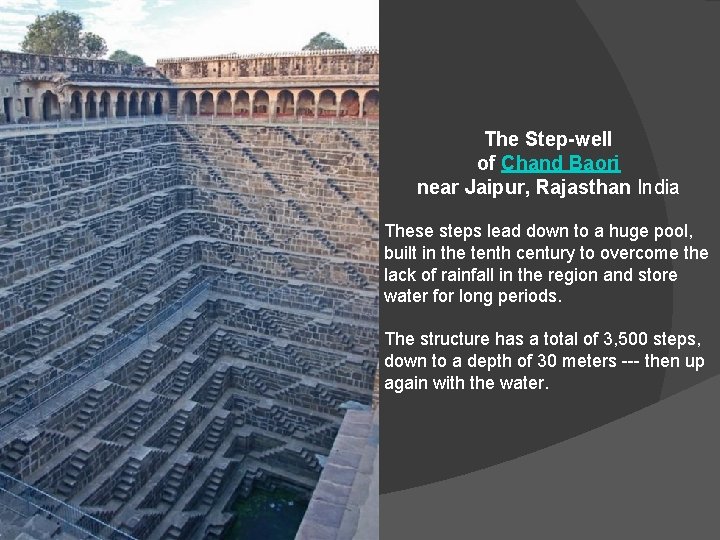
column 242, row 103
column 145, row 105
column 285, row 103
column 189, row 103
column 350, row 103
column 207, row 104
column 327, row 103
column 371, row 104
column 104, row 110
column 121, row 105
column 133, row 104
column 76, row 105
column 91, row 109
column 50, row 106
column 224, row 103
column 306, row 103
column 158, row 104
column 261, row 102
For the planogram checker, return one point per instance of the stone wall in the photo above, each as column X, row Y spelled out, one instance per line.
column 13, row 63
column 41, row 88
column 107, row 231
column 306, row 63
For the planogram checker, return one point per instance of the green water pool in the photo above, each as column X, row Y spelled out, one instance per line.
column 266, row 515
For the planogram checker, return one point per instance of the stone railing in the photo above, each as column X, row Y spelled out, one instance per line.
column 251, row 56
column 14, row 63
column 61, row 383
column 338, row 63
column 27, row 501
column 12, row 130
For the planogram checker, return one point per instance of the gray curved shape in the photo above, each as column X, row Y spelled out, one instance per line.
column 554, row 71
column 666, row 52
column 653, row 474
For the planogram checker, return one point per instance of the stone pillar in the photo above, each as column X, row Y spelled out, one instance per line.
column 252, row 104
column 361, row 101
column 112, row 105
column 36, row 110
column 83, row 104
column 64, row 109
column 232, row 105
column 272, row 110
column 272, row 103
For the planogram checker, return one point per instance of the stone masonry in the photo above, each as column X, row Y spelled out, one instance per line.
column 185, row 311
column 308, row 85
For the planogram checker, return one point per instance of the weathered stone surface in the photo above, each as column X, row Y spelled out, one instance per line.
column 318, row 84
column 103, row 232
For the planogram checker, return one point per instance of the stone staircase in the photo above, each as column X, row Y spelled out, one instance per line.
column 136, row 419
column 178, row 428
column 73, row 208
column 115, row 225
column 87, row 413
column 100, row 305
column 126, row 484
column 147, row 278
column 73, row 472
column 203, row 400
column 107, row 267
column 144, row 368
column 10, row 463
column 212, row 486
column 182, row 531
column 180, row 476
column 357, row 146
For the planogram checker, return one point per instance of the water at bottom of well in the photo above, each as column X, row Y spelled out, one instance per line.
column 266, row 515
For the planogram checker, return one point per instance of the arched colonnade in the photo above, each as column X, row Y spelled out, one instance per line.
column 323, row 102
